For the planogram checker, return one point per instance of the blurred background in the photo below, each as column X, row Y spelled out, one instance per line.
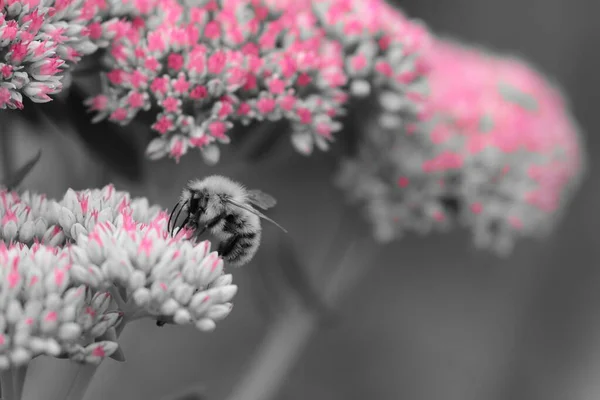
column 433, row 318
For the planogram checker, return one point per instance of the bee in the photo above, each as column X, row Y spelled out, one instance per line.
column 227, row 210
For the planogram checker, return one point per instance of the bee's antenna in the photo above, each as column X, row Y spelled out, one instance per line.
column 256, row 212
column 171, row 216
column 180, row 205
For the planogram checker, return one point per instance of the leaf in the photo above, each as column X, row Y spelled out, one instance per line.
column 15, row 180
column 118, row 355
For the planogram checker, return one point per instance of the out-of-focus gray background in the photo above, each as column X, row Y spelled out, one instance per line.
column 434, row 319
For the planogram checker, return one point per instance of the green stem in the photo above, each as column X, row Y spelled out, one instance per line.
column 6, row 380
column 289, row 335
column 18, row 379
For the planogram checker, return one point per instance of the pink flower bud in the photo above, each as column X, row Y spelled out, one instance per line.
column 101, row 301
column 200, row 303
column 96, row 352
column 38, row 91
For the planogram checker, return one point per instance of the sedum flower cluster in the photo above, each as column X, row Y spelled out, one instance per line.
column 75, row 270
column 39, row 41
column 202, row 66
column 495, row 149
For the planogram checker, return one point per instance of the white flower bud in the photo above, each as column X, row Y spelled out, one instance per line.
column 69, row 332
column 169, row 307
column 182, row 317
column 66, row 219
column 219, row 311
column 10, row 230
column 205, row 325
column 27, row 232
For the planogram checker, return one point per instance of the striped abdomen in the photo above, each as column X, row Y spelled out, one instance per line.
column 243, row 234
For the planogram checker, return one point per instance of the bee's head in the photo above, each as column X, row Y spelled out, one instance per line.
column 195, row 200
column 204, row 200
column 204, row 204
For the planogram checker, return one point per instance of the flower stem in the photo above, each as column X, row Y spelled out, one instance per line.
column 120, row 327
column 288, row 336
column 81, row 382
column 86, row 372
column 6, row 380
column 7, row 155
column 18, row 379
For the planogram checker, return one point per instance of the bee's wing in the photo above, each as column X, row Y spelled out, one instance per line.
column 261, row 199
column 254, row 211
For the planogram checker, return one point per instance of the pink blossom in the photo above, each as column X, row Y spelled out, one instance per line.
column 292, row 60
column 59, row 289
column 492, row 146
column 41, row 42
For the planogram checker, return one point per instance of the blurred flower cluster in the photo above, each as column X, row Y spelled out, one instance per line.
column 74, row 270
column 202, row 66
column 39, row 41
column 495, row 149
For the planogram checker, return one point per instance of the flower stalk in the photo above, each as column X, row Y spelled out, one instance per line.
column 290, row 333
column 6, row 383
column 7, row 156
column 81, row 382
column 18, row 376
column 76, row 271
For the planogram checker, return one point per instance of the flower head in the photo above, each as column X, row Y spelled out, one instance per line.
column 39, row 40
column 207, row 67
column 159, row 276
column 30, row 218
column 44, row 312
column 496, row 149
column 74, row 269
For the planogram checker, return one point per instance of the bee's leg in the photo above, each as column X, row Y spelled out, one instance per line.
column 211, row 223
column 197, row 233
column 214, row 221
column 208, row 225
